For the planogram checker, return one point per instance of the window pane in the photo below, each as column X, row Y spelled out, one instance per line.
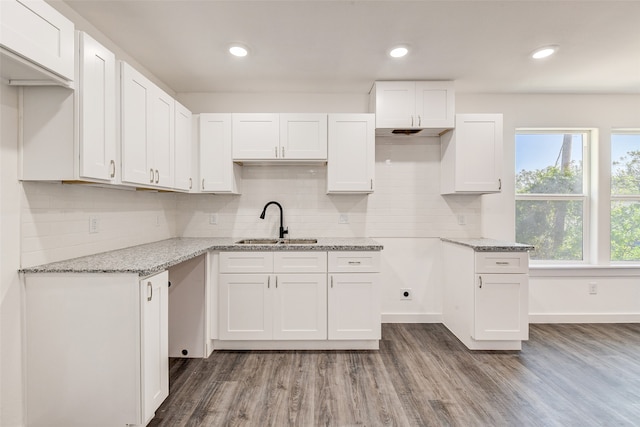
column 625, row 231
column 549, row 163
column 554, row 227
column 625, row 164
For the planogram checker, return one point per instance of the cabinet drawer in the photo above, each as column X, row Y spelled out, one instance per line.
column 342, row 262
column 246, row 262
column 502, row 262
column 300, row 262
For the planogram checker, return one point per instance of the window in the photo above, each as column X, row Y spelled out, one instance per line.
column 552, row 190
column 625, row 196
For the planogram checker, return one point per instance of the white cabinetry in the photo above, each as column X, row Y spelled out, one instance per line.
column 36, row 44
column 218, row 173
column 264, row 136
column 428, row 106
column 71, row 135
column 147, row 131
column 486, row 297
column 272, row 296
column 110, row 330
column 351, row 153
column 354, row 296
column 472, row 155
column 183, row 151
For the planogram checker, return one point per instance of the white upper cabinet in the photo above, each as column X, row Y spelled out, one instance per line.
column 303, row 136
column 264, row 136
column 36, row 43
column 424, row 107
column 76, row 128
column 218, row 173
column 147, row 116
column 351, row 153
column 472, row 155
column 183, row 153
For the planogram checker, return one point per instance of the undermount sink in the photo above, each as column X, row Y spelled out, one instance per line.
column 277, row 241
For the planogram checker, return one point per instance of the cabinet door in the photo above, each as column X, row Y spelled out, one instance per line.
column 163, row 143
column 435, row 106
column 354, row 306
column 183, row 148
column 217, row 171
column 97, row 110
column 351, row 153
column 395, row 104
column 136, row 127
column 256, row 136
column 303, row 136
column 154, row 310
column 38, row 32
column 501, row 302
column 479, row 152
column 300, row 307
column 246, row 306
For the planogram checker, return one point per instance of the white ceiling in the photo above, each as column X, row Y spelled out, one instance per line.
column 341, row 46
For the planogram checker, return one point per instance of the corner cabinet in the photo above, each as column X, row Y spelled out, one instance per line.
column 426, row 106
column 218, row 172
column 471, row 155
column 147, row 121
column 76, row 128
column 111, row 331
column 351, row 153
column 486, row 297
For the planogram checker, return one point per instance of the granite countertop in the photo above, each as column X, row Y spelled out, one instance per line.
column 491, row 245
column 152, row 258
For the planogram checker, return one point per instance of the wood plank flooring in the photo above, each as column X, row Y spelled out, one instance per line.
column 566, row 375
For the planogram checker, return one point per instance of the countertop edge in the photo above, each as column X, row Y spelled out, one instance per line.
column 490, row 245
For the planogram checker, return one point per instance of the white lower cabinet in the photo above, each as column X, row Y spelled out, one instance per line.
column 96, row 348
column 284, row 297
column 486, row 297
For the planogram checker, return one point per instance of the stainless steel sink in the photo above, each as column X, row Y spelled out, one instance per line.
column 277, row 242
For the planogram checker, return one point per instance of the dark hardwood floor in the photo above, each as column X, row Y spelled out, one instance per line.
column 565, row 375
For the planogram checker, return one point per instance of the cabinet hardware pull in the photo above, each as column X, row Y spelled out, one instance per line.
column 480, row 277
column 203, row 183
column 419, row 121
column 332, row 281
column 354, row 262
column 112, row 163
column 276, row 148
column 276, row 282
column 151, row 176
column 502, row 263
column 411, row 121
column 282, row 149
column 157, row 176
column 149, row 291
column 190, row 183
column 499, row 184
column 268, row 282
column 371, row 184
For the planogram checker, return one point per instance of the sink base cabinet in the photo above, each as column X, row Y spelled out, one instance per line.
column 96, row 348
column 486, row 297
column 282, row 300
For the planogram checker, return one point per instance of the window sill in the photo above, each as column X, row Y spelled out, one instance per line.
column 584, row 270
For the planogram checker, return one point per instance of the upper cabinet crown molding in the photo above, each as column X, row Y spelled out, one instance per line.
column 36, row 44
column 423, row 108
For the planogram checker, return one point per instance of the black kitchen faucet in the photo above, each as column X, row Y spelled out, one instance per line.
column 282, row 229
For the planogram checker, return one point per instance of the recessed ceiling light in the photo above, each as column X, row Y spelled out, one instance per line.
column 398, row 52
column 238, row 50
column 544, row 52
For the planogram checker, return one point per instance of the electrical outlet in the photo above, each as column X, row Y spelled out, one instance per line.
column 343, row 219
column 94, row 224
column 405, row 294
column 593, row 288
column 213, row 219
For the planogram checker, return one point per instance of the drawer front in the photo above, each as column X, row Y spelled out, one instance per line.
column 246, row 262
column 300, row 262
column 502, row 262
column 349, row 262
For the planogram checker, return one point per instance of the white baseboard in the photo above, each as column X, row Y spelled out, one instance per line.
column 411, row 317
column 585, row 318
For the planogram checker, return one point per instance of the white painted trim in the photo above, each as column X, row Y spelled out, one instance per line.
column 412, row 318
column 584, row 271
column 297, row 345
column 585, row 318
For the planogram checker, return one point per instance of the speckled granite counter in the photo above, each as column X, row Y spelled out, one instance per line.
column 491, row 245
column 151, row 258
